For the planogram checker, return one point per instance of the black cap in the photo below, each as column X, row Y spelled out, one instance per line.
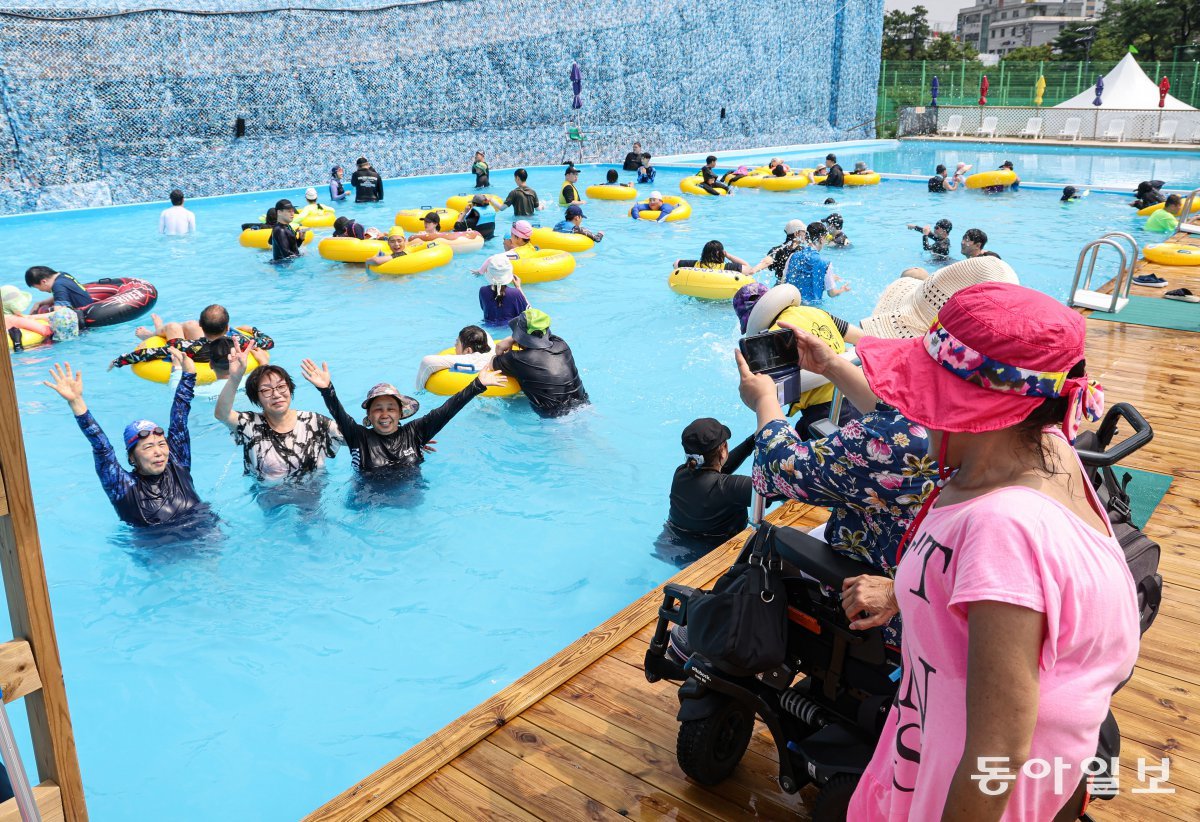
column 1068, row 193
column 945, row 225
column 1006, row 164
column 361, row 161
column 282, row 204
column 704, row 436
column 569, row 170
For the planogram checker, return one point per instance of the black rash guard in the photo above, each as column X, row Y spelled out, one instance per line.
column 709, row 503
column 633, row 161
column 548, row 377
column 371, row 451
column 834, row 177
column 284, row 242
column 368, row 186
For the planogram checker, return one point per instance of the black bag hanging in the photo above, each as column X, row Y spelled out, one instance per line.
column 741, row 624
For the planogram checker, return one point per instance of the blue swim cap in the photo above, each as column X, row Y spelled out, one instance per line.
column 140, row 429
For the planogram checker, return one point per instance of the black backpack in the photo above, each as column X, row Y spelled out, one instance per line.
column 1141, row 552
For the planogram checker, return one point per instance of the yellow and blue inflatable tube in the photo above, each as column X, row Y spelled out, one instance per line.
column 560, row 241
column 413, row 219
column 682, row 211
column 424, row 257
column 707, row 283
column 160, row 370
column 607, row 192
column 987, row 179
column 543, row 266
column 691, row 185
column 448, row 382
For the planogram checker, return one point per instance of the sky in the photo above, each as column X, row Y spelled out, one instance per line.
column 940, row 11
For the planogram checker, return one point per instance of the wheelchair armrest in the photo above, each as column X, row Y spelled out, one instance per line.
column 1142, row 434
column 816, row 559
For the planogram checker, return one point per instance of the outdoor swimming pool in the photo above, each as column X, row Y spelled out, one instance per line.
column 254, row 673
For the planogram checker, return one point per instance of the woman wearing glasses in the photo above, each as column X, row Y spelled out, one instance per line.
column 278, row 442
column 158, row 491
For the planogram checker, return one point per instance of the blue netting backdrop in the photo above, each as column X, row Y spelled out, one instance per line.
column 110, row 101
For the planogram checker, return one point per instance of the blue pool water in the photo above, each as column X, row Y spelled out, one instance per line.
column 256, row 672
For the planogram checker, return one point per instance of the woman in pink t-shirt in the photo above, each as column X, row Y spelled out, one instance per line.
column 1020, row 614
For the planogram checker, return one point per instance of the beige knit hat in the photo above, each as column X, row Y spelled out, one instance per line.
column 909, row 306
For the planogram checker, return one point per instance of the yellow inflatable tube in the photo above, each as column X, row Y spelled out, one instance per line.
column 793, row 181
column 560, row 241
column 261, row 238
column 463, row 244
column 607, row 192
column 413, row 219
column 682, row 211
column 871, row 179
column 691, row 185
column 1172, row 254
column 986, row 179
column 313, row 217
column 33, row 332
column 415, row 260
column 707, row 283
column 1158, row 207
column 543, row 266
column 754, row 179
column 350, row 249
column 461, row 202
column 160, row 370
column 448, row 382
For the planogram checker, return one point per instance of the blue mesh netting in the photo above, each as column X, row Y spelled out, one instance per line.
column 121, row 101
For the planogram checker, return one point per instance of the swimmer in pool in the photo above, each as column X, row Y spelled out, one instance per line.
column 433, row 230
column 613, row 179
column 208, row 340
column 653, row 203
column 397, row 247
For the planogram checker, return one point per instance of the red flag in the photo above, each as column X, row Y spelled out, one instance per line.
column 983, row 89
column 1164, row 85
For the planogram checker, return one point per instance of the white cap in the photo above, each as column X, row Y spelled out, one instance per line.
column 794, row 227
column 655, row 195
column 499, row 270
column 310, row 194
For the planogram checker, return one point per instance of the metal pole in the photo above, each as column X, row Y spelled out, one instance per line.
column 1078, row 79
column 963, row 82
column 26, row 804
column 1003, row 98
column 922, row 97
column 1195, row 75
column 758, row 506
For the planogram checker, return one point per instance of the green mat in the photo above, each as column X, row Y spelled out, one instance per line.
column 1156, row 312
column 1146, row 490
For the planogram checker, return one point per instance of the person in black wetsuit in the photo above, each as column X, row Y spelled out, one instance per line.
column 368, row 185
column 544, row 366
column 382, row 444
column 633, row 160
column 935, row 240
column 285, row 240
column 835, row 177
column 159, row 490
column 709, row 501
column 1148, row 194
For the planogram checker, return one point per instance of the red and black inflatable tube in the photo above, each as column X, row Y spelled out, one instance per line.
column 118, row 300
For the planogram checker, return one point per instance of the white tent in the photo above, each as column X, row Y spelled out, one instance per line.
column 1126, row 87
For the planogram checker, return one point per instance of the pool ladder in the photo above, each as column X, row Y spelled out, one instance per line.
column 1085, row 296
column 1185, row 224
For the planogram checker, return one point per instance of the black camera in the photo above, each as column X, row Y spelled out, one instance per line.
column 774, row 353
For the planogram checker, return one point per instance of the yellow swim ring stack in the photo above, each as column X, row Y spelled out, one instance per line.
column 707, row 283
column 1172, row 254
column 413, row 219
column 448, row 382
column 350, row 249
column 462, row 202
column 987, row 179
column 160, row 370
column 543, row 265
column 691, row 185
column 682, row 211
column 422, row 257
column 607, row 192
column 560, row 241
column 261, row 238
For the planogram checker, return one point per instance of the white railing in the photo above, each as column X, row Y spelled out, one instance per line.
column 1141, row 125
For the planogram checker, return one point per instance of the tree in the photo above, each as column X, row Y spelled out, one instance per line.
column 905, row 33
column 1154, row 27
column 1070, row 44
column 1029, row 54
column 945, row 48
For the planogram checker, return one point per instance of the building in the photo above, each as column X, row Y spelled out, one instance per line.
column 999, row 26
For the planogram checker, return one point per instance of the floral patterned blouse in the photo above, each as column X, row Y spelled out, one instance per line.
column 874, row 474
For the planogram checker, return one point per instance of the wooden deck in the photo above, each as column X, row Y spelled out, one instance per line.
column 584, row 736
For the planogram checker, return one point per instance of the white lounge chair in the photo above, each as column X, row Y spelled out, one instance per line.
column 988, row 129
column 1033, row 128
column 1166, row 131
column 953, row 125
column 1071, row 129
column 1115, row 131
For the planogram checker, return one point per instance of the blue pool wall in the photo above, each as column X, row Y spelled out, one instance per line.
column 119, row 102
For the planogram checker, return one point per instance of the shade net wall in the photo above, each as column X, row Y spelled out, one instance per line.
column 114, row 102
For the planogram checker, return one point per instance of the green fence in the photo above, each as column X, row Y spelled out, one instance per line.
column 907, row 83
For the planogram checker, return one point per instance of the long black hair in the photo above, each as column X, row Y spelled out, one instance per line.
column 713, row 252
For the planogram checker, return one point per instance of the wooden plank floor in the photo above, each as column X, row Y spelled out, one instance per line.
column 584, row 736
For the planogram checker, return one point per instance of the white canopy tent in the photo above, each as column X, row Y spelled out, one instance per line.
column 1126, row 87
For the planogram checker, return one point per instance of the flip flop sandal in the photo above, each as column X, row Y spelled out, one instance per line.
column 1183, row 295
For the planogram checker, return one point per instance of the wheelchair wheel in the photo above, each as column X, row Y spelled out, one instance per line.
column 709, row 749
column 834, row 799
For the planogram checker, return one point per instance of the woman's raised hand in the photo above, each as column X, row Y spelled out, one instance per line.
column 319, row 377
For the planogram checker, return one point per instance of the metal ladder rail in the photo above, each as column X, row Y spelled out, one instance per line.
column 1137, row 255
column 19, row 779
column 1187, row 219
column 1087, row 298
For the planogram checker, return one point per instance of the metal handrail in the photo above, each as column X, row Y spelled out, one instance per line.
column 1185, row 216
column 1094, row 248
column 1137, row 254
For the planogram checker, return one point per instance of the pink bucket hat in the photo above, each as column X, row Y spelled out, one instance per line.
column 522, row 229
column 994, row 354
